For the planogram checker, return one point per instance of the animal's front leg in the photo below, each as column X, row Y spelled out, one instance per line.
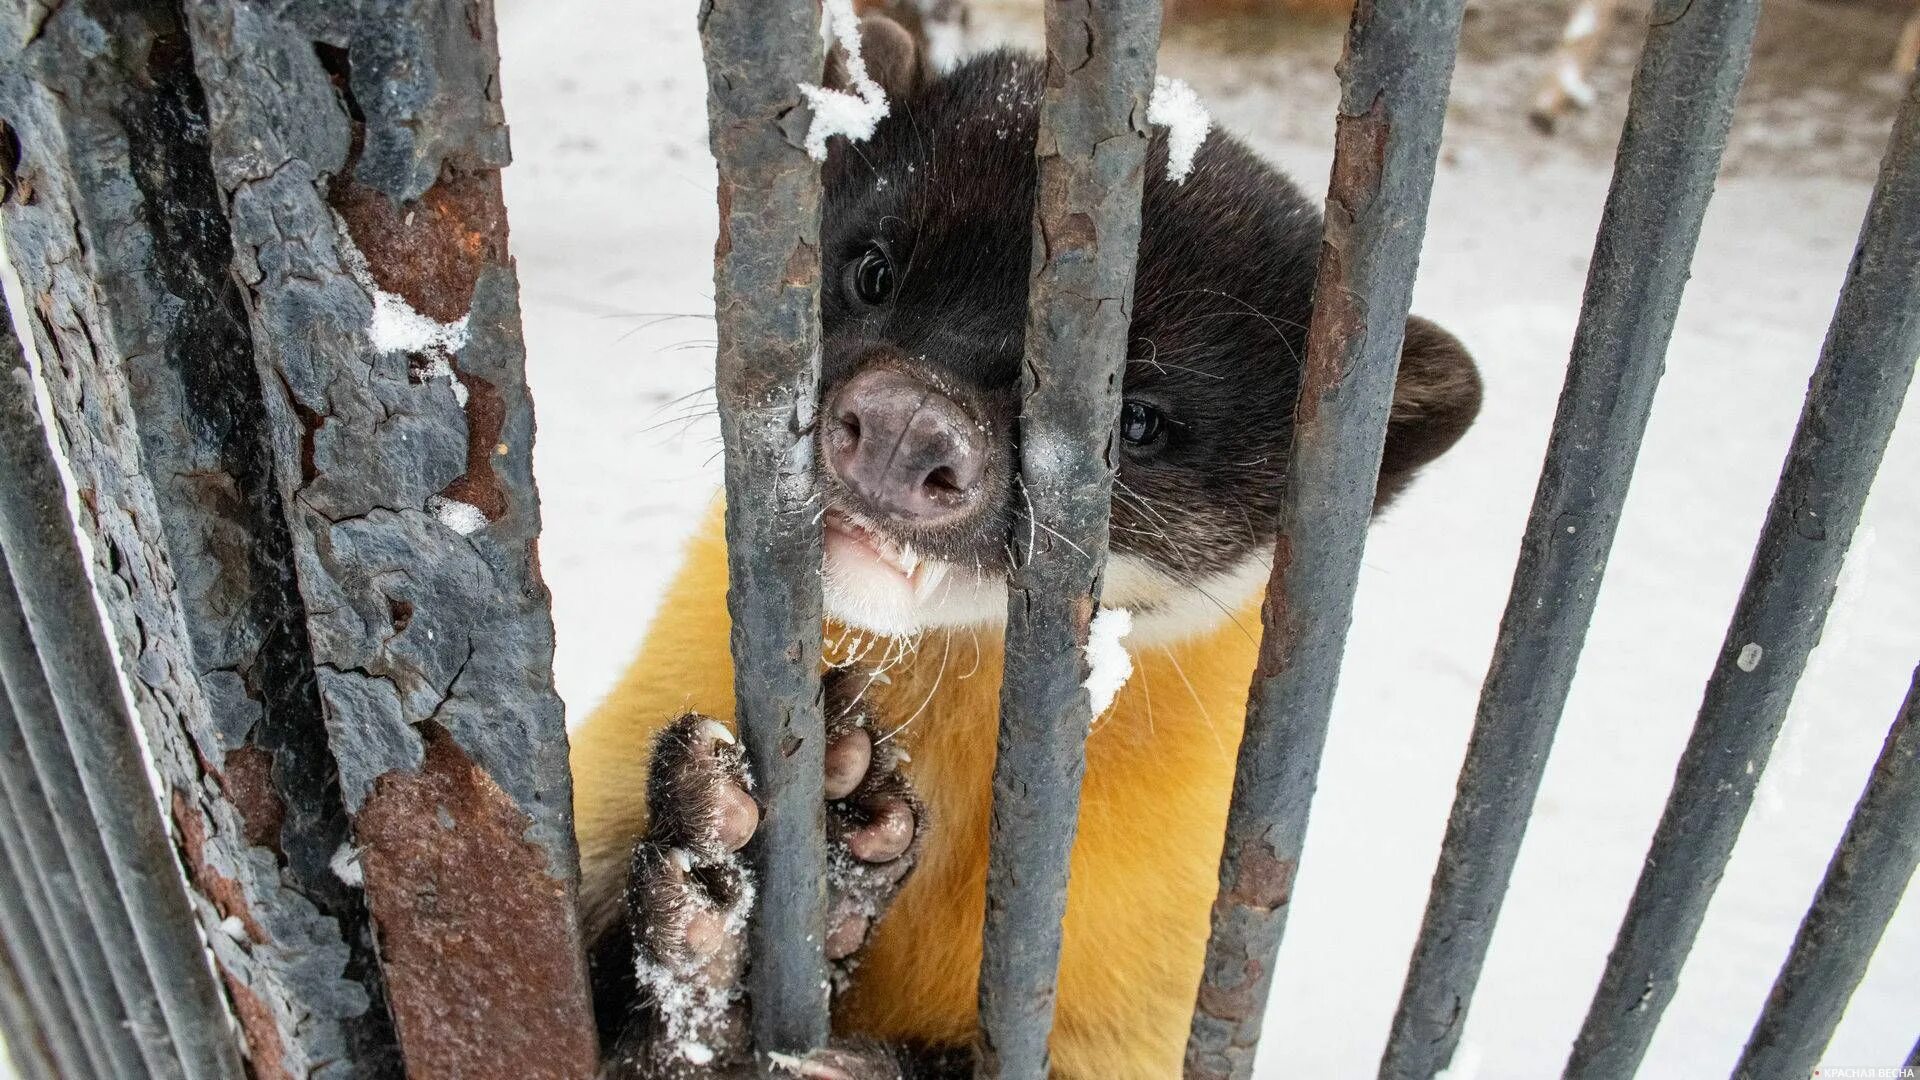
column 690, row 893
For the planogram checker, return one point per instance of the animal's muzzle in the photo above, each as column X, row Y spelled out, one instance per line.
column 909, row 453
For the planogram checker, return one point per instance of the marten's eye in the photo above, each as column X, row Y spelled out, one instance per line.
column 1140, row 423
column 871, row 277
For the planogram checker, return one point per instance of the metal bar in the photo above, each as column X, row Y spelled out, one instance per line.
column 29, row 735
column 1864, row 882
column 1865, row 367
column 43, row 1009
column 57, row 598
column 1091, row 157
column 1678, row 117
column 126, row 262
column 362, row 180
column 767, row 373
column 1394, row 76
column 25, row 1039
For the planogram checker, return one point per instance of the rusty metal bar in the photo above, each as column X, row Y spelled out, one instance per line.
column 362, row 181
column 766, row 274
column 1852, row 403
column 119, row 236
column 1394, row 75
column 314, row 521
column 26, row 1042
column 1864, row 882
column 51, row 825
column 1677, row 123
column 161, row 968
column 1091, row 157
column 40, row 1007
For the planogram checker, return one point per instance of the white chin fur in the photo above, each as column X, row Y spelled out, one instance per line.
column 862, row 591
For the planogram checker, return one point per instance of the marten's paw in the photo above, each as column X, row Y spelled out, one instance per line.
column 690, row 891
column 874, row 828
column 688, row 897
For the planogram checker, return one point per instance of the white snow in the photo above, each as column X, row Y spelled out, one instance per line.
column 1108, row 662
column 612, row 203
column 1584, row 20
column 1575, row 84
column 345, row 865
column 795, row 1065
column 234, row 927
column 463, row 518
column 946, row 44
column 694, row 1007
column 440, row 366
column 1177, row 108
column 838, row 112
column 396, row 326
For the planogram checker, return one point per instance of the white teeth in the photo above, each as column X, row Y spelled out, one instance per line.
column 717, row 731
column 681, row 859
column 929, row 581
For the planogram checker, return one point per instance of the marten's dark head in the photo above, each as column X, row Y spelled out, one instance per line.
column 926, row 251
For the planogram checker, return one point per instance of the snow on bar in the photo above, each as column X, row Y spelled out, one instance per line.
column 837, row 112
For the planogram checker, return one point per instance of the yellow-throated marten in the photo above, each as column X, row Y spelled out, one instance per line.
column 925, row 244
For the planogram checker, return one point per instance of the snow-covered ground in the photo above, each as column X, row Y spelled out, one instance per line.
column 613, row 222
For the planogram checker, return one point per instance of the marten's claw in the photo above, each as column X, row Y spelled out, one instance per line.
column 854, row 1060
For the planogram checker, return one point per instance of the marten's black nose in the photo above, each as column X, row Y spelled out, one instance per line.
column 909, row 451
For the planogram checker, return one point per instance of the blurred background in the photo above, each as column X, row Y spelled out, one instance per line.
column 612, row 203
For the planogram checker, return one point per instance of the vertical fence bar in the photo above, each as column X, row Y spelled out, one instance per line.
column 188, row 1036
column 369, row 234
column 27, row 1048
column 767, row 374
column 1678, row 117
column 1394, row 77
column 117, row 231
column 43, row 1008
column 1864, row 882
column 1091, row 156
column 1865, row 367
column 75, row 910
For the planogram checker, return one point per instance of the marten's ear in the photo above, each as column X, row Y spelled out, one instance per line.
column 1434, row 402
column 893, row 57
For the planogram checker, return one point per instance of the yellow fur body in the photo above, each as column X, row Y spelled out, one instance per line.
column 1159, row 770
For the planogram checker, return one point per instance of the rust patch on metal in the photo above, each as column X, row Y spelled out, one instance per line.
column 1276, row 643
column 723, row 246
column 486, row 418
column 1339, row 316
column 1263, row 881
column 266, row 1056
column 247, row 778
column 1236, row 1004
column 803, row 266
column 482, row 974
column 430, row 252
column 225, row 893
column 1359, row 156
